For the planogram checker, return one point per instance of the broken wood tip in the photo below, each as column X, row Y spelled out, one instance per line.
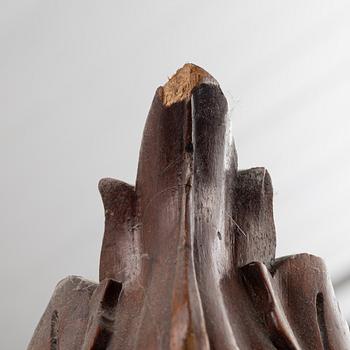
column 179, row 87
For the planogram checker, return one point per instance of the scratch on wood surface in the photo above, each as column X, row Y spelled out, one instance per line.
column 234, row 221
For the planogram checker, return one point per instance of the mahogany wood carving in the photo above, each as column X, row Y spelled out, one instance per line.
column 188, row 255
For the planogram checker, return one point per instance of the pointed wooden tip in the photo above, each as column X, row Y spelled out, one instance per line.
column 179, row 87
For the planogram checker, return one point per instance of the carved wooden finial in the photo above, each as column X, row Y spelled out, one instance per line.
column 188, row 254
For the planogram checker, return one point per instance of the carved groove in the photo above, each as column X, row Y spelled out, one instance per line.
column 106, row 318
column 321, row 321
column 279, row 343
column 102, row 339
column 267, row 303
column 54, row 331
column 111, row 295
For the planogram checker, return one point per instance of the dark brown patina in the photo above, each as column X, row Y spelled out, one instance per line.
column 188, row 255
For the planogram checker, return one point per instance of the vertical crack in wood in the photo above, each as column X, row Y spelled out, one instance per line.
column 101, row 323
column 102, row 340
column 54, row 331
column 321, row 321
column 108, row 306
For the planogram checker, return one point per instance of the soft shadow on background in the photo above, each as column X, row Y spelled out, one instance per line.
column 76, row 82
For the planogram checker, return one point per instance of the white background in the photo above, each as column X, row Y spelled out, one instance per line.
column 76, row 82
